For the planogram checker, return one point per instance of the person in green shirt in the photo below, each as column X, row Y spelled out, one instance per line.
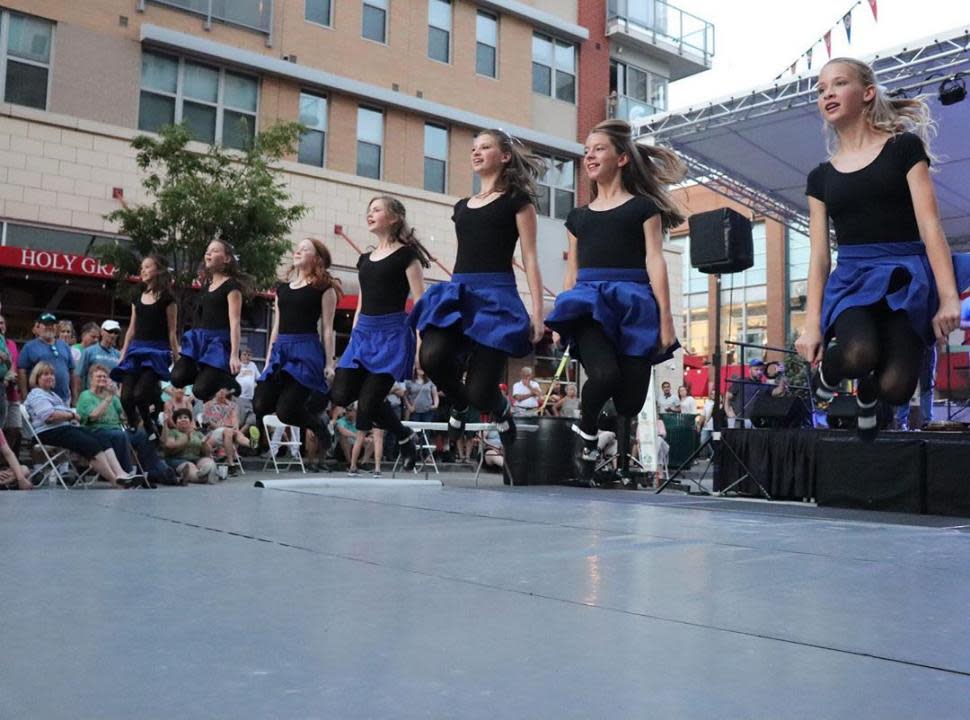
column 187, row 450
column 100, row 410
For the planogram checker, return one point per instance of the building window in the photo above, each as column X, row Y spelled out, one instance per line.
column 553, row 68
column 486, row 44
column 63, row 241
column 25, row 55
column 639, row 91
column 252, row 14
column 217, row 105
column 318, row 11
column 370, row 139
column 313, row 114
column 375, row 20
column 435, row 158
column 694, row 289
column 439, row 30
column 556, row 189
column 476, row 183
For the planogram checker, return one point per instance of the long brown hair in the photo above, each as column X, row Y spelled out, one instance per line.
column 400, row 230
column 523, row 170
column 884, row 113
column 650, row 170
column 319, row 276
column 161, row 285
column 232, row 270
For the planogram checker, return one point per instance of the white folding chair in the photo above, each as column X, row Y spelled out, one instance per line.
column 48, row 468
column 276, row 431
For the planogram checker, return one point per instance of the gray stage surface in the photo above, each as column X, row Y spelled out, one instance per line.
column 236, row 602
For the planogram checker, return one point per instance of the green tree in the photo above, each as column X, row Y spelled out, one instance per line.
column 195, row 197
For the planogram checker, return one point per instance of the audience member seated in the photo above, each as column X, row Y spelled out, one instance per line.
column 347, row 436
column 14, row 474
column 179, row 399
column 465, row 444
column 99, row 408
column 56, row 424
column 187, row 450
column 220, row 418
column 494, row 455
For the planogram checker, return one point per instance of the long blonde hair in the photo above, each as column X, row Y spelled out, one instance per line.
column 523, row 170
column 886, row 114
column 650, row 170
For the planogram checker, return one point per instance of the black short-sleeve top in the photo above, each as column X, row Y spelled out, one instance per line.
column 214, row 306
column 299, row 308
column 384, row 283
column 487, row 235
column 151, row 320
column 612, row 238
column 873, row 204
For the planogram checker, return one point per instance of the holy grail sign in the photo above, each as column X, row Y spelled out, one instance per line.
column 33, row 260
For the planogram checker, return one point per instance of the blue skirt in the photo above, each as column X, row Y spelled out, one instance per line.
column 302, row 357
column 381, row 344
column 863, row 276
column 486, row 306
column 154, row 355
column 208, row 347
column 621, row 301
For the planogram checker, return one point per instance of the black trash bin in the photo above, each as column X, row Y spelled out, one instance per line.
column 544, row 456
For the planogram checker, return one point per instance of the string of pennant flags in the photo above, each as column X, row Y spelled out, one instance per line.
column 846, row 22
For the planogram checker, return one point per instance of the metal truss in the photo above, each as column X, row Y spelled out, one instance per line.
column 760, row 201
column 907, row 69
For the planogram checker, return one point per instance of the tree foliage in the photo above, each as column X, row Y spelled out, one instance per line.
column 195, row 197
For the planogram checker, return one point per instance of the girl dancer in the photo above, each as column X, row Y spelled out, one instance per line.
column 478, row 315
column 294, row 382
column 151, row 343
column 615, row 310
column 210, row 350
column 890, row 294
column 382, row 345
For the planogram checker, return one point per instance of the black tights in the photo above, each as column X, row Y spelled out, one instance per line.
column 878, row 347
column 292, row 402
column 440, row 350
column 624, row 378
column 205, row 380
column 370, row 391
column 139, row 392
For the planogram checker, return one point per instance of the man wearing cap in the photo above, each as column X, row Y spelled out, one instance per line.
column 741, row 394
column 47, row 347
column 102, row 352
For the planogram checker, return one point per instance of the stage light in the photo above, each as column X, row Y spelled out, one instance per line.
column 953, row 90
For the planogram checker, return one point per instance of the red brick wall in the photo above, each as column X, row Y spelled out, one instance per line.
column 594, row 74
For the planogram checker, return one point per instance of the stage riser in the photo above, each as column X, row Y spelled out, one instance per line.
column 900, row 472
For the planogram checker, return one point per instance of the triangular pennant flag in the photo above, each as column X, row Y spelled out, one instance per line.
column 828, row 42
column 847, row 22
column 809, row 56
column 875, row 13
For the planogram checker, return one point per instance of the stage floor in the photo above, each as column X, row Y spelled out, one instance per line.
column 236, row 602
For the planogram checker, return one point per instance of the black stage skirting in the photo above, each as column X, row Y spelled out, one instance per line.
column 902, row 472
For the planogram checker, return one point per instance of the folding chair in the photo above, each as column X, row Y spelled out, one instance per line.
column 272, row 423
column 51, row 475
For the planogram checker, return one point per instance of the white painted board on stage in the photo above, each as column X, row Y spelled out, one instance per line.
column 288, row 483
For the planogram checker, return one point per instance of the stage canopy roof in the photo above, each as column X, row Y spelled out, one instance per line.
column 757, row 147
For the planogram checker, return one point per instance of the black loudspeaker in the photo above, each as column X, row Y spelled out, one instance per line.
column 720, row 241
column 786, row 411
column 842, row 412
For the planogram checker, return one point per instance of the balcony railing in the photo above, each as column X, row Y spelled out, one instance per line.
column 666, row 21
column 253, row 14
column 634, row 111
